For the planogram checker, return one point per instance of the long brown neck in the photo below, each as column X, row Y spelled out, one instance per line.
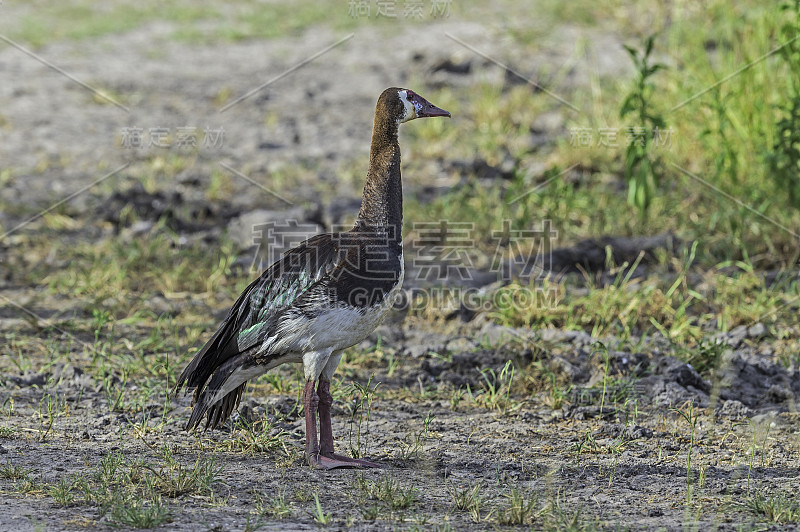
column 382, row 204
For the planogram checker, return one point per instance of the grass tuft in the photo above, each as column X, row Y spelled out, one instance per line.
column 519, row 510
column 780, row 508
column 140, row 513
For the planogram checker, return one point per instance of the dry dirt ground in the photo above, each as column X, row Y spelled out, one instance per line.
column 613, row 457
column 477, row 426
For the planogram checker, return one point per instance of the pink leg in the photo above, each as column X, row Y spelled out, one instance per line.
column 326, row 432
column 325, row 429
column 310, row 404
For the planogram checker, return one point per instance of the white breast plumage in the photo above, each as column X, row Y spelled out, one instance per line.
column 334, row 329
column 345, row 326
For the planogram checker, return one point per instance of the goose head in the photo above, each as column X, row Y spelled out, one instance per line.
column 415, row 106
column 404, row 105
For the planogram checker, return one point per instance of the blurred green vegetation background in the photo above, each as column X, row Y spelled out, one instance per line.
column 707, row 149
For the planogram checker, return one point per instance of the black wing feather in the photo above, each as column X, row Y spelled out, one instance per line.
column 259, row 307
column 352, row 267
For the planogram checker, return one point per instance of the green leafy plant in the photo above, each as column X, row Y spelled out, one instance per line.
column 690, row 416
column 780, row 508
column 412, row 448
column 50, row 408
column 370, row 512
column 557, row 394
column 720, row 134
column 641, row 168
column 520, row 509
column 303, row 494
column 758, row 429
column 137, row 513
column 784, row 158
column 456, row 396
column 173, row 478
column 259, row 436
column 587, row 444
column 253, row 523
column 556, row 516
column 276, row 507
column 468, row 499
column 387, row 490
column 12, row 471
column 320, row 517
column 360, row 416
column 496, row 389
column 63, row 491
column 602, row 348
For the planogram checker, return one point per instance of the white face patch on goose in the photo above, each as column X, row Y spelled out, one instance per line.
column 410, row 111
